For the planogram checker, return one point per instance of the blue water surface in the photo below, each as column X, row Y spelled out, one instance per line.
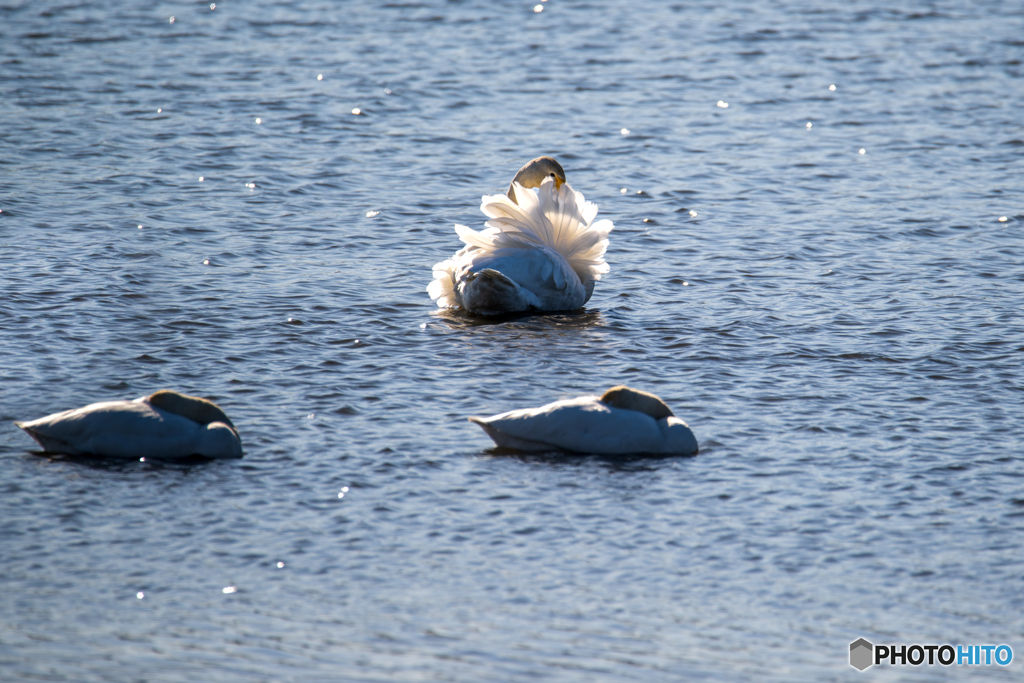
column 817, row 261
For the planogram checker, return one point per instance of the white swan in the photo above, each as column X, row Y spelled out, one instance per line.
column 541, row 249
column 163, row 425
column 621, row 421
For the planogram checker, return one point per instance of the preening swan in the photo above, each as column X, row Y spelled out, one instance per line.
column 619, row 422
column 540, row 251
column 163, row 425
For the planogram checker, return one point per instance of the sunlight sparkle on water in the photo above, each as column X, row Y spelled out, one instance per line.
column 140, row 595
column 201, row 178
column 862, row 151
column 624, row 190
column 344, row 490
column 809, row 125
column 319, row 77
column 229, row 589
column 258, row 120
column 172, row 20
column 693, row 213
column 280, row 565
column 371, row 214
column 538, row 8
column 140, row 227
column 159, row 110
column 206, row 262
column 723, row 105
column 624, row 131
column 1002, row 219
column 357, row 111
column 832, row 88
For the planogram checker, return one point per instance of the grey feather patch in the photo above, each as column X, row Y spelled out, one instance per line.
column 197, row 409
column 634, row 399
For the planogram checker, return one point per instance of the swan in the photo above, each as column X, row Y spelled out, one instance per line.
column 540, row 251
column 163, row 425
column 620, row 421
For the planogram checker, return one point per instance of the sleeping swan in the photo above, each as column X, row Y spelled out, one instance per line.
column 541, row 250
column 164, row 425
column 621, row 421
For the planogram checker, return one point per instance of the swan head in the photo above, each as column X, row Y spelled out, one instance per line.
column 633, row 399
column 535, row 172
column 197, row 409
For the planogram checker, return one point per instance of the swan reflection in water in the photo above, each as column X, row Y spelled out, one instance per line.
column 581, row 319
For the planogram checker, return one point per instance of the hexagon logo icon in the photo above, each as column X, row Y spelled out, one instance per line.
column 861, row 654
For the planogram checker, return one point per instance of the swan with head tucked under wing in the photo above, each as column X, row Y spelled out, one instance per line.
column 541, row 250
column 164, row 425
column 621, row 421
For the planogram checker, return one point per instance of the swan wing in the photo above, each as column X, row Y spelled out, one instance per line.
column 77, row 431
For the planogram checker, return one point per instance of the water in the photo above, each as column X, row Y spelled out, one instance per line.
column 842, row 331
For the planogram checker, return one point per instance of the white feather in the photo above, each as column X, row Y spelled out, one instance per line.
column 547, row 247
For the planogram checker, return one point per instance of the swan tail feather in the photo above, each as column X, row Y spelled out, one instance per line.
column 560, row 218
column 442, row 288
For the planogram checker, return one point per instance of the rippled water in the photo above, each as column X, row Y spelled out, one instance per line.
column 827, row 284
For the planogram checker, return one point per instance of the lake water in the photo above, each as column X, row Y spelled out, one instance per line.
column 826, row 283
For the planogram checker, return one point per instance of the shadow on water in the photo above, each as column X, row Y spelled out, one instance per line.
column 96, row 462
column 579, row 319
column 631, row 462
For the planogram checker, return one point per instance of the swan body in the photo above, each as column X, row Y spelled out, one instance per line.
column 619, row 422
column 541, row 250
column 163, row 425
